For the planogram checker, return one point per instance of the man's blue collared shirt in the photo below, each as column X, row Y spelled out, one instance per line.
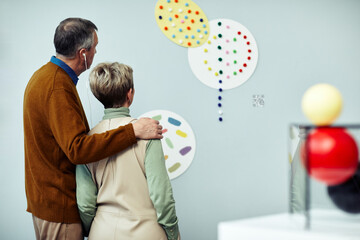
column 66, row 68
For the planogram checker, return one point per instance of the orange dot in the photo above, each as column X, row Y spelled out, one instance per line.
column 197, row 12
column 176, row 1
column 166, row 28
column 161, row 7
column 192, row 20
column 176, row 16
column 189, row 11
column 189, row 43
column 188, row 28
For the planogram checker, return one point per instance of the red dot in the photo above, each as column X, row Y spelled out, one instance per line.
column 245, row 65
column 192, row 20
column 249, row 58
column 176, row 16
column 166, row 28
column 239, row 33
column 189, row 11
column 245, row 37
column 248, row 43
column 189, row 43
column 197, row 12
column 249, row 50
column 188, row 28
column 161, row 7
column 240, row 70
column 176, row 1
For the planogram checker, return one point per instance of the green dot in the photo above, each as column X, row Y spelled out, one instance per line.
column 235, row 62
column 220, row 59
column 234, row 39
column 221, row 72
column 235, row 73
column 219, row 23
column 235, row 51
column 220, row 36
column 219, row 47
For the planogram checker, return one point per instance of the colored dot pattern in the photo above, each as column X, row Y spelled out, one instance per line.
column 231, row 55
column 183, row 22
column 227, row 60
column 178, row 142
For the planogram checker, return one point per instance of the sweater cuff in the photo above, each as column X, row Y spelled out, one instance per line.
column 129, row 129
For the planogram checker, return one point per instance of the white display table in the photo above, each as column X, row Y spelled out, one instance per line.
column 325, row 225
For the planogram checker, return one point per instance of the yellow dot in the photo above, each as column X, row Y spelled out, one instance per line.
column 214, row 37
column 209, row 68
column 205, row 50
column 216, row 74
column 209, row 42
column 205, row 61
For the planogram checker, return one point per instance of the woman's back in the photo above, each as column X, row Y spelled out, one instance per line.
column 124, row 207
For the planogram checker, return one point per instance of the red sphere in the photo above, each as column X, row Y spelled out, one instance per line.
column 332, row 155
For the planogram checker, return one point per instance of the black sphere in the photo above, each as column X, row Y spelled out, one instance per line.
column 346, row 196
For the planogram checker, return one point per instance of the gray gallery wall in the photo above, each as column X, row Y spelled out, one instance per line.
column 240, row 166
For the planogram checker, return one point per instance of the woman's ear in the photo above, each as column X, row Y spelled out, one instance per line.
column 130, row 96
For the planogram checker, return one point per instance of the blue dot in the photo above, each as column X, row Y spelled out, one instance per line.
column 220, row 119
column 219, row 104
column 204, row 25
column 192, row 36
column 220, row 90
column 168, row 1
column 170, row 19
column 173, row 35
column 186, row 36
column 198, row 42
column 220, row 81
column 186, row 17
column 201, row 20
column 180, row 30
column 160, row 17
column 186, row 4
column 219, row 97
column 206, row 32
column 198, row 30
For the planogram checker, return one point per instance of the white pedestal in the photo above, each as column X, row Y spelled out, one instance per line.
column 325, row 225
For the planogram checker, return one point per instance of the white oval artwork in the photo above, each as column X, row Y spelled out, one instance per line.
column 178, row 142
column 228, row 58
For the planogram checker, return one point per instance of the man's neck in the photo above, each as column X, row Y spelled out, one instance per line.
column 73, row 63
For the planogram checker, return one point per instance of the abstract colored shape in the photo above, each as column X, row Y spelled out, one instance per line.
column 166, row 157
column 185, row 150
column 181, row 133
column 174, row 122
column 174, row 167
column 157, row 117
column 169, row 143
column 187, row 14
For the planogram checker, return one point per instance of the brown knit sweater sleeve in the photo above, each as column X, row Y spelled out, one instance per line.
column 68, row 124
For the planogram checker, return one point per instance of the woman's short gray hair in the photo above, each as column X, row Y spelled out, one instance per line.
column 73, row 34
column 110, row 83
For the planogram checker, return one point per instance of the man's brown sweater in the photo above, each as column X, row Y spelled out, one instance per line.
column 55, row 135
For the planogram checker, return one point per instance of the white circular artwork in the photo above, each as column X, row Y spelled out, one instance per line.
column 228, row 58
column 178, row 142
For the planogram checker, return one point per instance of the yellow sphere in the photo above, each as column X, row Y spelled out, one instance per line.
column 322, row 104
